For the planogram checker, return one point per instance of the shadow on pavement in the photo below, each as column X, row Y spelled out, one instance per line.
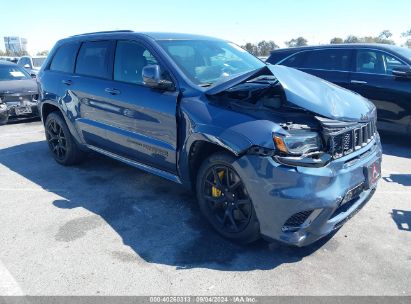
column 159, row 220
column 396, row 145
column 402, row 219
column 402, row 179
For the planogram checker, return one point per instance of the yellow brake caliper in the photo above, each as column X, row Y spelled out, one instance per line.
column 214, row 191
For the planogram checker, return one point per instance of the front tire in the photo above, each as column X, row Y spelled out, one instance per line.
column 224, row 200
column 61, row 143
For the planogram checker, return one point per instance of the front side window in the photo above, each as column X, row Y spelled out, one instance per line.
column 376, row 62
column 206, row 62
column 331, row 59
column 8, row 73
column 93, row 59
column 131, row 57
column 63, row 60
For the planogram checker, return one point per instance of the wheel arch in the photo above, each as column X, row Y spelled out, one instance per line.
column 48, row 107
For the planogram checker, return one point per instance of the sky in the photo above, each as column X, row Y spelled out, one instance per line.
column 43, row 22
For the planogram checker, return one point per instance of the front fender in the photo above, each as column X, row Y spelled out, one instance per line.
column 237, row 139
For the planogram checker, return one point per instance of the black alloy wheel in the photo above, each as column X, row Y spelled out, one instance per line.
column 56, row 139
column 62, row 145
column 224, row 199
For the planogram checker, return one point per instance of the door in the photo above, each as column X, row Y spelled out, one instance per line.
column 333, row 65
column 134, row 121
column 373, row 79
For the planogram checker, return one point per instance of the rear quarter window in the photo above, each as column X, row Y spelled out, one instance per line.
column 63, row 60
column 277, row 57
column 93, row 59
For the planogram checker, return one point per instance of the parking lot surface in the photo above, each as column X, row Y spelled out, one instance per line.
column 103, row 228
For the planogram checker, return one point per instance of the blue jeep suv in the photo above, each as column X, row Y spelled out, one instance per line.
column 269, row 150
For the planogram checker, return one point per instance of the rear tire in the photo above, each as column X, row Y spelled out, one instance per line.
column 224, row 201
column 61, row 143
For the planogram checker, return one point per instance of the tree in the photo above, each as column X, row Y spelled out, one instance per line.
column 407, row 34
column 384, row 37
column 300, row 41
column 2, row 53
column 352, row 39
column 336, row 40
column 264, row 48
column 43, row 53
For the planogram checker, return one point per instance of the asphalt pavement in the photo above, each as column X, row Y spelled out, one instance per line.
column 103, row 228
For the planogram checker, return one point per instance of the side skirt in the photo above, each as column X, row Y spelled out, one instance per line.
column 149, row 169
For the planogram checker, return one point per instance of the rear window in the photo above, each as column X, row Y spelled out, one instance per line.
column 93, row 59
column 331, row 59
column 63, row 60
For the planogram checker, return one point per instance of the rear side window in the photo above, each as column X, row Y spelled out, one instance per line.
column 331, row 59
column 63, row 60
column 93, row 59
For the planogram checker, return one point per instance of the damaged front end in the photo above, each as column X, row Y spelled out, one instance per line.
column 319, row 121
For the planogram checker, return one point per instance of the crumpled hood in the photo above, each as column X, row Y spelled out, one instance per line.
column 28, row 86
column 311, row 93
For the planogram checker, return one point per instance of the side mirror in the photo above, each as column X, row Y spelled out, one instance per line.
column 152, row 78
column 402, row 72
column 33, row 75
column 27, row 66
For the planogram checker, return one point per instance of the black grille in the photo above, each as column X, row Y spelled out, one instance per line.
column 298, row 219
column 345, row 141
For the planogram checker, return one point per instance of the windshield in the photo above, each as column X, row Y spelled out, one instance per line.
column 207, row 61
column 8, row 72
column 37, row 62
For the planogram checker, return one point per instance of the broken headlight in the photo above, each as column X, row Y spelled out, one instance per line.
column 298, row 142
column 300, row 148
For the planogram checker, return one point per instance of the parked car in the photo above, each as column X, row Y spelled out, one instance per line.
column 31, row 64
column 9, row 58
column 18, row 93
column 379, row 72
column 269, row 150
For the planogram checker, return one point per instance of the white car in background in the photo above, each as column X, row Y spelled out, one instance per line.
column 31, row 64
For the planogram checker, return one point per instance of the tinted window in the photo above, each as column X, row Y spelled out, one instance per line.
column 295, row 61
column 9, row 72
column 131, row 58
column 275, row 57
column 63, row 60
column 93, row 59
column 376, row 62
column 331, row 59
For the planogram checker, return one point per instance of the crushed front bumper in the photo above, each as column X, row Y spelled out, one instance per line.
column 315, row 201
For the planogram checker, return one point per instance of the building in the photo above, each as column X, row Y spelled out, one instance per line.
column 15, row 44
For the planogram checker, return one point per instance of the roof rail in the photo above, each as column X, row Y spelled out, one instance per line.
column 104, row 32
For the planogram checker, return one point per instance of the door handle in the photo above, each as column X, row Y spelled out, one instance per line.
column 112, row 91
column 67, row 82
column 358, row 82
